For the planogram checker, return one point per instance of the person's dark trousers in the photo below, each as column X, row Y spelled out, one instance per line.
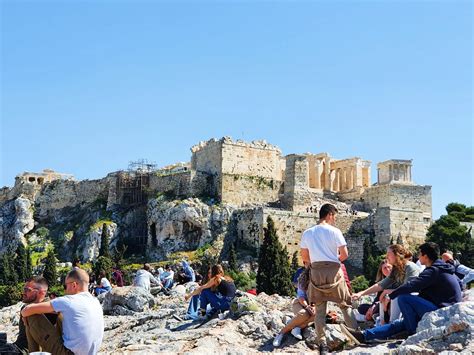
column 413, row 308
column 217, row 303
column 384, row 331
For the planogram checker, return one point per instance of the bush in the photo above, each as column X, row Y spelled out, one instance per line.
column 243, row 281
column 359, row 283
column 11, row 294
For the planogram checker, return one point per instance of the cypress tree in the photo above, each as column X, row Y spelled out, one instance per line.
column 294, row 262
column 104, row 242
column 233, row 259
column 49, row 272
column 274, row 274
column 29, row 266
column 4, row 270
column 20, row 263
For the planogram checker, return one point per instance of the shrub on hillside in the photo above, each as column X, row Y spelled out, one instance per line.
column 359, row 283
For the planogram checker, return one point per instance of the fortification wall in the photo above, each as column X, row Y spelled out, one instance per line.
column 252, row 159
column 178, row 184
column 207, row 157
column 67, row 193
column 242, row 190
column 399, row 196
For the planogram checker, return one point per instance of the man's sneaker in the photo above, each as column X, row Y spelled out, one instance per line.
column 278, row 339
column 323, row 349
column 296, row 332
column 355, row 335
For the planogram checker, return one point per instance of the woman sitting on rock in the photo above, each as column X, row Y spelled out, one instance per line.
column 218, row 292
column 304, row 312
column 402, row 270
column 104, row 286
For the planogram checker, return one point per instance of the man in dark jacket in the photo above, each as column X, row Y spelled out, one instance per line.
column 437, row 287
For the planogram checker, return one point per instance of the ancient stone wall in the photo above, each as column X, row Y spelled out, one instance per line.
column 177, row 184
column 251, row 159
column 402, row 212
column 206, row 167
column 242, row 190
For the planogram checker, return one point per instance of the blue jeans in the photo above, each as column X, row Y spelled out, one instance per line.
column 99, row 290
column 412, row 308
column 217, row 302
column 193, row 307
column 168, row 283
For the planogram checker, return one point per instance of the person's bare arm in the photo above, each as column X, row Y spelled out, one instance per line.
column 305, row 256
column 37, row 308
column 343, row 253
column 372, row 289
column 212, row 282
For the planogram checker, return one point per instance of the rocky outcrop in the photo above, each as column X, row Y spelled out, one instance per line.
column 185, row 224
column 127, row 300
column 16, row 219
column 89, row 246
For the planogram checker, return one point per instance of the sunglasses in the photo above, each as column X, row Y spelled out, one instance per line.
column 29, row 289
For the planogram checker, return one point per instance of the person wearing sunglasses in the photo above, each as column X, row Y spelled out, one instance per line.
column 82, row 320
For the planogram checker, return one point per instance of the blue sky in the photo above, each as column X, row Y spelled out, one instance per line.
column 88, row 86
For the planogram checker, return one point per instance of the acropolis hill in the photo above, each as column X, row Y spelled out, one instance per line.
column 241, row 184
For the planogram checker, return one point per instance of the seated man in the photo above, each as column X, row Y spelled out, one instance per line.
column 167, row 277
column 145, row 279
column 465, row 274
column 81, row 317
column 437, row 286
column 35, row 291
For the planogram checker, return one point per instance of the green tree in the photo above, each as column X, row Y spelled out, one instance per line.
column 295, row 262
column 29, row 265
column 449, row 234
column 50, row 272
column 104, row 242
column 8, row 275
column 274, row 273
column 102, row 263
column 20, row 262
column 233, row 259
column 373, row 256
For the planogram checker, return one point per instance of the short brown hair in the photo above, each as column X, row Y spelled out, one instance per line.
column 78, row 275
column 327, row 209
column 39, row 280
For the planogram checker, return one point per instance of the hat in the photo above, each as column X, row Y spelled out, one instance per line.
column 363, row 308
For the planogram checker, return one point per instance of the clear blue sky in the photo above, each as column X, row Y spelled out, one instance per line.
column 88, row 86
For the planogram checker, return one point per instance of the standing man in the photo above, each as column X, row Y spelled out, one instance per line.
column 82, row 320
column 324, row 247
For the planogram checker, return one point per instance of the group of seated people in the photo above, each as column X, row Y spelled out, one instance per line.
column 404, row 293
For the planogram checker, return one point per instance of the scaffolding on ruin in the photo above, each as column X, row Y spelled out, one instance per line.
column 133, row 184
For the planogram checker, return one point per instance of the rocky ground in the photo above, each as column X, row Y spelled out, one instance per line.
column 137, row 322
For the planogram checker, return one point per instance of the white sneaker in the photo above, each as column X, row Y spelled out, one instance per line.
column 296, row 332
column 278, row 339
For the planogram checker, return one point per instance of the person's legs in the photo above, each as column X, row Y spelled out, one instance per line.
column 395, row 312
column 349, row 317
column 320, row 322
column 384, row 331
column 41, row 333
column 413, row 308
column 168, row 283
column 207, row 297
column 99, row 290
column 193, row 306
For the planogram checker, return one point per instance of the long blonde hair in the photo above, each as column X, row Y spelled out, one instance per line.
column 398, row 267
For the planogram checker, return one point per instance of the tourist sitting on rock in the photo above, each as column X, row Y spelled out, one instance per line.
column 437, row 286
column 218, row 292
column 34, row 291
column 402, row 271
column 464, row 273
column 304, row 312
column 187, row 274
column 81, row 320
column 194, row 304
column 117, row 276
column 167, row 277
column 104, row 285
column 145, row 279
column 372, row 312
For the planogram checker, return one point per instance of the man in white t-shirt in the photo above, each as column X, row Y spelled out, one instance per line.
column 324, row 247
column 82, row 320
